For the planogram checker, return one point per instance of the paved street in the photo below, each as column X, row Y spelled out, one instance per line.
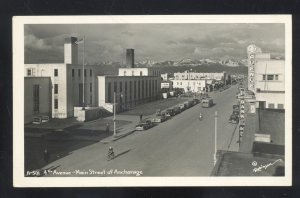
column 182, row 146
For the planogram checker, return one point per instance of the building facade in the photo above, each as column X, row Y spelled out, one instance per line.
column 129, row 91
column 190, row 85
column 37, row 98
column 71, row 86
column 189, row 75
column 270, row 83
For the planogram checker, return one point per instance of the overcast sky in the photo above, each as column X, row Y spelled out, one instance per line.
column 159, row 42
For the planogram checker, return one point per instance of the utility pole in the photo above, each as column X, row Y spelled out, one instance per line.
column 83, row 73
column 215, row 154
column 114, row 113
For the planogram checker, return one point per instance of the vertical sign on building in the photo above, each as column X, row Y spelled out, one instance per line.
column 242, row 117
column 251, row 50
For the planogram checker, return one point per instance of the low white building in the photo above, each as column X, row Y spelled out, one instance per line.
column 189, row 75
column 190, row 85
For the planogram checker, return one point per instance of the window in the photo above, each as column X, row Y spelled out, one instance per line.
column 141, row 73
column 280, row 106
column 270, row 77
column 130, row 89
column 91, row 87
column 271, row 106
column 36, row 98
column 177, row 83
column 143, row 89
column 125, row 91
column 91, row 73
column 139, row 88
column 55, row 72
column 264, row 77
column 91, row 99
column 79, row 72
column 152, row 87
column 155, row 85
column 146, row 88
column 55, row 103
column 121, row 88
column 276, row 76
column 115, row 86
column 73, row 72
column 55, row 88
column 109, row 92
column 134, row 89
column 28, row 72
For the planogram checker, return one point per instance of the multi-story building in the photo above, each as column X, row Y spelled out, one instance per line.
column 37, row 97
column 72, row 85
column 132, row 86
column 127, row 90
column 270, row 83
column 266, row 78
column 68, row 81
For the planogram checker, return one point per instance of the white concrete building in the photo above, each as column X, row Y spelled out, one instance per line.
column 270, row 83
column 190, row 85
column 138, row 71
column 67, row 81
column 189, row 75
column 37, row 98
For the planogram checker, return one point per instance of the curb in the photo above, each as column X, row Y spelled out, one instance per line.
column 112, row 138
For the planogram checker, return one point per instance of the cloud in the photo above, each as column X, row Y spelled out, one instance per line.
column 109, row 41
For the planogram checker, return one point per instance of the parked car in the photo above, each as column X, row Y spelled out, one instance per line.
column 196, row 101
column 37, row 120
column 237, row 113
column 144, row 125
column 45, row 118
column 208, row 102
column 160, row 118
column 182, row 107
column 235, row 107
column 177, row 110
column 170, row 112
column 233, row 119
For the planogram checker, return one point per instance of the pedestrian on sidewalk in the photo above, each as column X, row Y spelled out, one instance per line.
column 141, row 117
column 107, row 128
column 46, row 155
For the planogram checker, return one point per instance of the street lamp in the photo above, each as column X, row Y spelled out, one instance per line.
column 215, row 154
column 115, row 111
column 83, row 73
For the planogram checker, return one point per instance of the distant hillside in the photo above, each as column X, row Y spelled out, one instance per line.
column 113, row 69
column 206, row 68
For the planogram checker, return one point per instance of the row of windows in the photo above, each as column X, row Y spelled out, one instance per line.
column 270, row 77
column 79, row 72
column 272, row 106
column 56, row 88
column 155, row 73
column 146, row 85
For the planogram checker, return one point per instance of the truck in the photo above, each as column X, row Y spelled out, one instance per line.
column 208, row 102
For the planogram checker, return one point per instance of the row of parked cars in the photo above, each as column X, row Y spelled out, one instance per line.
column 162, row 116
column 234, row 117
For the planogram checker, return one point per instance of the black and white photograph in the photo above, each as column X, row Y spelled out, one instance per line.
column 152, row 100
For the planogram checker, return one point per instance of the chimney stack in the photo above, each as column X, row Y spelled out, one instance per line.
column 130, row 58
